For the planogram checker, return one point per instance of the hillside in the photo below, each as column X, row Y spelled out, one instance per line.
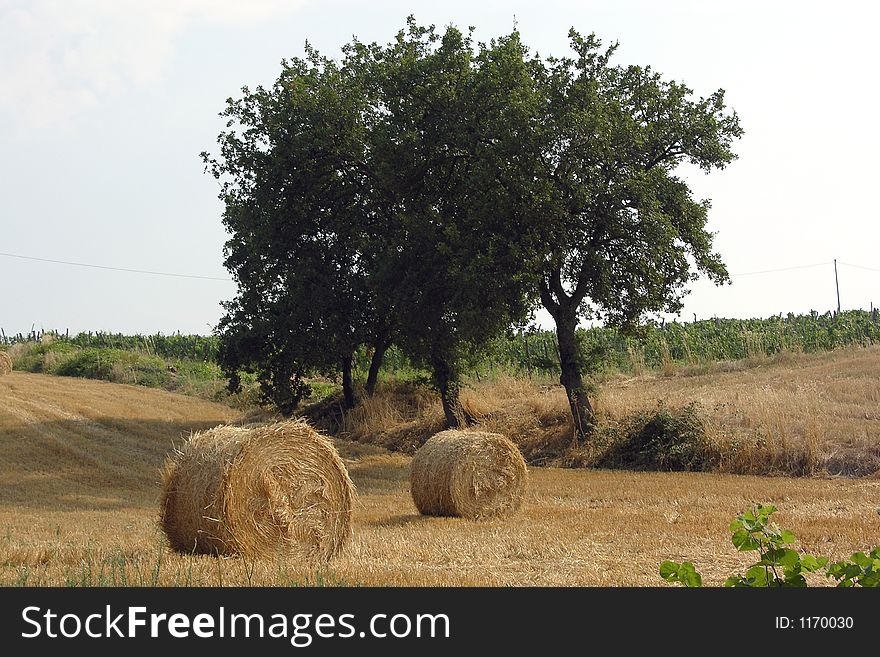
column 79, row 443
column 79, row 461
column 789, row 414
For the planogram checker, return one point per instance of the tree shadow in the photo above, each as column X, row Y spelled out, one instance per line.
column 403, row 520
column 103, row 463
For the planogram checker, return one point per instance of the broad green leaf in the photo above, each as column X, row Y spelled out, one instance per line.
column 870, row 581
column 744, row 542
column 795, row 581
column 692, row 579
column 861, row 559
column 812, row 564
column 669, row 570
column 789, row 558
column 787, row 537
column 757, row 576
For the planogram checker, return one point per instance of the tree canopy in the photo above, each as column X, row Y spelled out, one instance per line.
column 623, row 226
column 431, row 192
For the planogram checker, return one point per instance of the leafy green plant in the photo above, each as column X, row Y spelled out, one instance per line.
column 861, row 569
column 681, row 573
column 778, row 565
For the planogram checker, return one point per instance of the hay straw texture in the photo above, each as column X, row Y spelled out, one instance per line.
column 277, row 489
column 469, row 474
column 5, row 363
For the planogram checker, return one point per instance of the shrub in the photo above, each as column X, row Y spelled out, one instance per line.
column 115, row 365
column 662, row 439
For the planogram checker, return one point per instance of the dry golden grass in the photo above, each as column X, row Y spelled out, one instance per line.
column 576, row 527
column 77, row 443
column 795, row 414
column 80, row 461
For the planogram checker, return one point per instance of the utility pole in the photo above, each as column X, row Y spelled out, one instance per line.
column 837, row 286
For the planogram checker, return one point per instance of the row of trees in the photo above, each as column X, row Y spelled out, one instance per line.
column 433, row 192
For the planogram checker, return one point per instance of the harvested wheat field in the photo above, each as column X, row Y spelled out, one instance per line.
column 80, row 463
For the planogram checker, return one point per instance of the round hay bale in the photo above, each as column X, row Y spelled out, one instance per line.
column 260, row 492
column 468, row 474
column 5, row 363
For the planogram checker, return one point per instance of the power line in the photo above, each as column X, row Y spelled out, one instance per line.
column 840, row 262
column 770, row 271
column 133, row 271
column 217, row 278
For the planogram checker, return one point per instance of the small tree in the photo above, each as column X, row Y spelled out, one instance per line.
column 621, row 230
column 297, row 196
column 458, row 278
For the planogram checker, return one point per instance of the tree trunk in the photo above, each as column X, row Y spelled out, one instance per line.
column 451, row 406
column 347, row 383
column 447, row 385
column 379, row 348
column 571, row 377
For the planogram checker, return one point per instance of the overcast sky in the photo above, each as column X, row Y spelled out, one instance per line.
column 105, row 106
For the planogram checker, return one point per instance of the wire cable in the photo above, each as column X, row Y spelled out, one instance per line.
column 771, row 271
column 133, row 271
column 857, row 266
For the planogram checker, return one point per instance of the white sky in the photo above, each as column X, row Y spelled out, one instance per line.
column 105, row 106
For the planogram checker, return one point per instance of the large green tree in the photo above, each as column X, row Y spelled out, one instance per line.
column 458, row 279
column 623, row 233
column 298, row 203
column 364, row 207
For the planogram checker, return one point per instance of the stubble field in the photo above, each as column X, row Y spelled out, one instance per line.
column 80, row 462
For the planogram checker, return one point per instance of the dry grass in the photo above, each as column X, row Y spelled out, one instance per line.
column 78, row 443
column 80, row 463
column 795, row 414
column 576, row 528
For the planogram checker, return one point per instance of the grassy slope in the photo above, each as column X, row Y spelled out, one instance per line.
column 80, row 459
column 789, row 414
column 74, row 443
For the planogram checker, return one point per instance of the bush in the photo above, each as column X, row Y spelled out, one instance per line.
column 40, row 356
column 662, row 439
column 115, row 365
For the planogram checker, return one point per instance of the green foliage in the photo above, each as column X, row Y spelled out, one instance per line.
column 778, row 565
column 860, row 569
column 115, row 364
column 662, row 439
column 362, row 209
column 620, row 229
column 175, row 346
column 40, row 356
column 681, row 573
column 688, row 344
column 134, row 366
